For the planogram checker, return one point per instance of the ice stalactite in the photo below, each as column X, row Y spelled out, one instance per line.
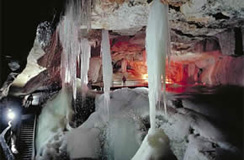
column 157, row 47
column 84, row 43
column 107, row 69
column 75, row 47
column 168, row 39
column 69, row 37
column 86, row 14
column 84, row 62
column 157, row 44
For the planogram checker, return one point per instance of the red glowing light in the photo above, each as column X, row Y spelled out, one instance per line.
column 176, row 77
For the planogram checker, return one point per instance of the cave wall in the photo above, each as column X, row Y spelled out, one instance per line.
column 204, row 64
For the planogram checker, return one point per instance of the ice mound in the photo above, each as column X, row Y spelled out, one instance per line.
column 183, row 134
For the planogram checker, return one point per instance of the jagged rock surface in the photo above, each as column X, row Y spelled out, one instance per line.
column 188, row 17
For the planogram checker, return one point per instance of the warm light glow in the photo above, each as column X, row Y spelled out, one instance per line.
column 145, row 76
column 176, row 74
column 168, row 81
column 11, row 114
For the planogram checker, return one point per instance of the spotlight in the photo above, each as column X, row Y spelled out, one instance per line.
column 11, row 114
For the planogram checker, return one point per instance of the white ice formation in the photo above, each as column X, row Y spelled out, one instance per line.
column 107, row 69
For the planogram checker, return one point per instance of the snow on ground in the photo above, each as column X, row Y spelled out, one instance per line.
column 191, row 135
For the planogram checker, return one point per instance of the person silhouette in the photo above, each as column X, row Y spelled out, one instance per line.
column 123, row 80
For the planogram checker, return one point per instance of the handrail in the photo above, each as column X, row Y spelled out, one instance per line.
column 7, row 152
column 34, row 137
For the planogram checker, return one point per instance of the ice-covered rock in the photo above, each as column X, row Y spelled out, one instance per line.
column 55, row 148
column 154, row 146
column 83, row 143
column 53, row 118
column 186, row 133
column 122, row 138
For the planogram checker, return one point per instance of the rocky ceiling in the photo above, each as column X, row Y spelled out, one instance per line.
column 190, row 20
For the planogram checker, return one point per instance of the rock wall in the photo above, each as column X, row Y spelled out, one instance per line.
column 205, row 64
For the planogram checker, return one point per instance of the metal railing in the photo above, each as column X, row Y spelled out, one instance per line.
column 6, row 150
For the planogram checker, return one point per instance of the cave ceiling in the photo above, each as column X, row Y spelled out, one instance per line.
column 190, row 20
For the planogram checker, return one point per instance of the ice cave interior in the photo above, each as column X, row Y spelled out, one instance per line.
column 122, row 79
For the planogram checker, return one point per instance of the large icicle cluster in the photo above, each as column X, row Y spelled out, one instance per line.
column 75, row 48
column 75, row 55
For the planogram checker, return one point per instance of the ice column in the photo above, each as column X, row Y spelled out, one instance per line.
column 107, row 70
column 157, row 43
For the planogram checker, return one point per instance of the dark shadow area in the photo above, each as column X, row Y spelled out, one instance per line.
column 19, row 20
column 223, row 105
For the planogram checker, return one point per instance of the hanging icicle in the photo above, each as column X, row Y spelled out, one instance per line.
column 107, row 69
column 157, row 44
column 75, row 48
column 69, row 38
column 86, row 15
column 157, row 47
column 85, row 61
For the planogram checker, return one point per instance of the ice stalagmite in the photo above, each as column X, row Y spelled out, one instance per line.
column 107, row 69
column 157, row 43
